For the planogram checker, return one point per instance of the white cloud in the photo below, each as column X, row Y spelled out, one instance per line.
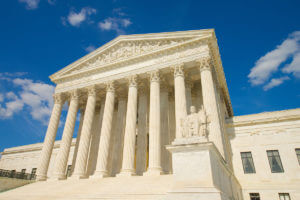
column 115, row 24
column 75, row 19
column 90, row 48
column 11, row 108
column 31, row 4
column 294, row 66
column 270, row 63
column 1, row 97
column 275, row 82
column 11, row 95
column 34, row 96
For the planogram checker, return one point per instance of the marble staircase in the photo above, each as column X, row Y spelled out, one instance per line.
column 122, row 188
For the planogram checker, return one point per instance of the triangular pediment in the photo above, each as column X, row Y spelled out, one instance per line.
column 127, row 47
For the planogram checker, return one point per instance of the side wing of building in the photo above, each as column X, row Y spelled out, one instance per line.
column 27, row 157
column 265, row 153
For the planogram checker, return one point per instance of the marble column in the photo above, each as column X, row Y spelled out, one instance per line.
column 106, row 129
column 210, row 103
column 154, row 167
column 172, row 123
column 130, row 130
column 180, row 98
column 64, row 149
column 84, row 143
column 77, row 139
column 50, row 138
column 94, row 141
column 164, row 111
column 141, row 154
column 188, row 93
column 119, row 135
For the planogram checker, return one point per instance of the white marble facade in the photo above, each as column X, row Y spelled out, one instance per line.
column 135, row 96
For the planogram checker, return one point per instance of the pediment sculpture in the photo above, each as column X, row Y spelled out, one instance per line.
column 195, row 124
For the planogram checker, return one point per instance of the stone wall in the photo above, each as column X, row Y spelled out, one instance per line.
column 258, row 133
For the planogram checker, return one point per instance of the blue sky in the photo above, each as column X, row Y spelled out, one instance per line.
column 258, row 40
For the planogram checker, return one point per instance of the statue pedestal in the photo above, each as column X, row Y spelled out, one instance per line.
column 189, row 140
column 201, row 173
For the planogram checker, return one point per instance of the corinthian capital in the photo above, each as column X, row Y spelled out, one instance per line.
column 154, row 76
column 58, row 98
column 110, row 86
column 178, row 70
column 133, row 81
column 92, row 91
column 75, row 94
column 205, row 63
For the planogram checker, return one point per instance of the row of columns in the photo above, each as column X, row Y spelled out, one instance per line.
column 156, row 121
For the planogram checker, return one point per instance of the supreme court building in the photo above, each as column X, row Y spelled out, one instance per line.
column 156, row 122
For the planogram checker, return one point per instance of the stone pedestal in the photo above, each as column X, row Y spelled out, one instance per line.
column 200, row 172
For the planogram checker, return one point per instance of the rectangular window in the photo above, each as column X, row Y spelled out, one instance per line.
column 284, row 196
column 254, row 196
column 247, row 161
column 33, row 172
column 274, row 161
column 23, row 171
column 298, row 155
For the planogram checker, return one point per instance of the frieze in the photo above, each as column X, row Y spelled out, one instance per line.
column 125, row 50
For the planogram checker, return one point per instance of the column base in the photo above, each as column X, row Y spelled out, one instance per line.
column 78, row 176
column 59, row 177
column 99, row 174
column 153, row 172
column 126, row 173
column 41, row 178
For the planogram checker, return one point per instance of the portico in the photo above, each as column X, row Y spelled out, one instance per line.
column 135, row 93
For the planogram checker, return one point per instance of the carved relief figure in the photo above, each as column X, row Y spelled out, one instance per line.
column 195, row 124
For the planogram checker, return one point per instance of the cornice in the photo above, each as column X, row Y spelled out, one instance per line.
column 264, row 118
column 31, row 147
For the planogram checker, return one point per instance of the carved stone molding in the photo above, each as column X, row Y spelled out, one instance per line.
column 205, row 63
column 132, row 81
column 154, row 76
column 178, row 70
column 58, row 98
column 92, row 91
column 110, row 86
column 75, row 94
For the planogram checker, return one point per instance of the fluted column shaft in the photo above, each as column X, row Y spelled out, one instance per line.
column 164, row 111
column 180, row 98
column 154, row 126
column 64, row 149
column 103, row 151
column 141, row 155
column 119, row 136
column 50, row 138
column 130, row 129
column 210, row 103
column 77, row 139
column 84, row 144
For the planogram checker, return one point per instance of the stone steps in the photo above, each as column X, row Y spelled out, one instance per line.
column 123, row 188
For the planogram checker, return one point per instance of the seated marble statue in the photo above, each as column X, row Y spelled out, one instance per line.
column 195, row 124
